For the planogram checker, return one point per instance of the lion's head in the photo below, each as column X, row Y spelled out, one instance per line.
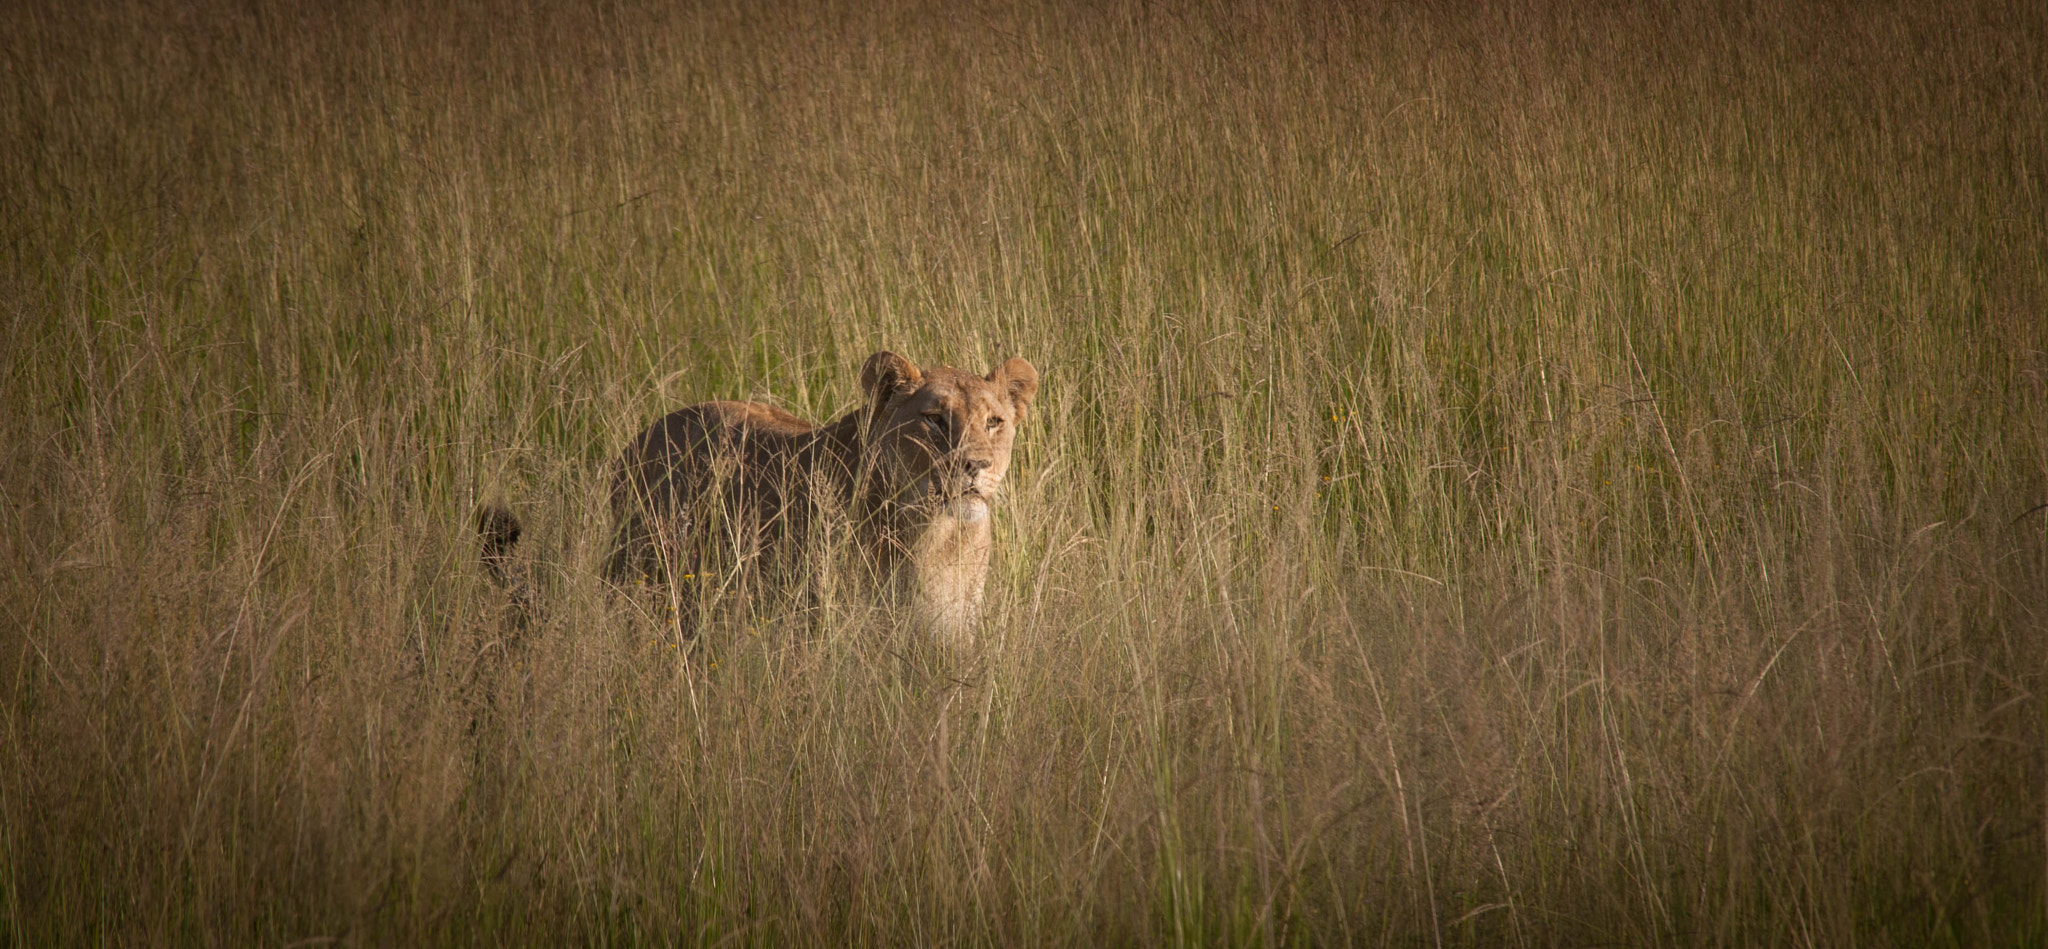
column 942, row 437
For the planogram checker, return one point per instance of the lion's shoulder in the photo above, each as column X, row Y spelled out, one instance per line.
column 750, row 417
column 711, row 424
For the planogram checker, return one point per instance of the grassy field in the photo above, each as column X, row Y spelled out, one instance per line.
column 1532, row 474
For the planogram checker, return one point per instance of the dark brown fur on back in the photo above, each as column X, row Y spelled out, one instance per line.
column 753, row 470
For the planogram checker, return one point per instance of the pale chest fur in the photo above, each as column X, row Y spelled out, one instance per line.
column 948, row 563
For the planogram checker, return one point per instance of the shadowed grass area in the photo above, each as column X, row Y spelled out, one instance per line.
column 1534, row 475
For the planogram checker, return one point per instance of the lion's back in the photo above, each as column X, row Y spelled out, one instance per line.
column 688, row 444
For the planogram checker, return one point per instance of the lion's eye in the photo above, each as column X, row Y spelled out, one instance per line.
column 995, row 422
column 937, row 423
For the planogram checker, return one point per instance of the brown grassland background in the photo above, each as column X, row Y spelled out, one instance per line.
column 1512, row 473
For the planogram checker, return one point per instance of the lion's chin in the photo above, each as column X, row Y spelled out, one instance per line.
column 968, row 508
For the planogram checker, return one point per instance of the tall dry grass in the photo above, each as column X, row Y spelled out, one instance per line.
column 1535, row 474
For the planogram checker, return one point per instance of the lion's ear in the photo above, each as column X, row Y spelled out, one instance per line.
column 887, row 374
column 1019, row 380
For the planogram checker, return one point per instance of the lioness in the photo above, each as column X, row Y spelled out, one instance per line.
column 730, row 490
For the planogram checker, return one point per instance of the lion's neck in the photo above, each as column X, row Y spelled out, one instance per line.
column 829, row 455
column 947, row 565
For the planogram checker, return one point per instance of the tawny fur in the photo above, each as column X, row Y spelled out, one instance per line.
column 748, row 491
